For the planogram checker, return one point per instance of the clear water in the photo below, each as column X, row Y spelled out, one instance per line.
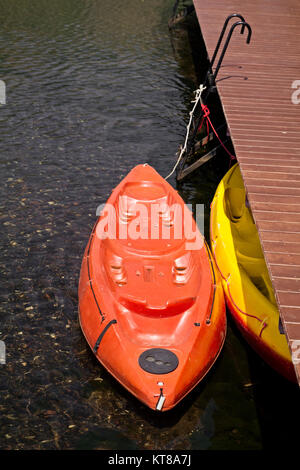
column 94, row 88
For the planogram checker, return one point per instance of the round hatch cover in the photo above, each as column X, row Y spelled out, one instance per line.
column 158, row 361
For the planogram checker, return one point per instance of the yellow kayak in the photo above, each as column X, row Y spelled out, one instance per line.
column 248, row 289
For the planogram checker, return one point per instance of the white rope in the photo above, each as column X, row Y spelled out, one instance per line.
column 198, row 94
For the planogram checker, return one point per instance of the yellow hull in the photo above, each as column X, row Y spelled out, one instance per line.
column 248, row 289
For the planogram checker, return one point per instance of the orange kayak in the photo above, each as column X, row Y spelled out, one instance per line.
column 151, row 304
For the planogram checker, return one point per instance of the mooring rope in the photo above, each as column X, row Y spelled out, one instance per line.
column 198, row 94
column 206, row 113
column 206, row 117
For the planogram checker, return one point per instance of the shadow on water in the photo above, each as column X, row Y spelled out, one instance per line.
column 277, row 405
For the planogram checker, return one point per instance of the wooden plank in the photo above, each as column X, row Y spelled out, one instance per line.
column 289, row 299
column 287, row 285
column 280, row 216
column 284, row 259
column 274, row 207
column 290, row 314
column 287, row 237
column 281, row 247
column 276, row 200
column 272, row 190
column 273, row 176
column 255, row 87
column 275, row 226
column 281, row 270
column 293, row 330
column 277, row 182
column 205, row 158
column 288, row 168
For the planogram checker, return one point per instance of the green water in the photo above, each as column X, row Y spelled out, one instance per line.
column 94, row 88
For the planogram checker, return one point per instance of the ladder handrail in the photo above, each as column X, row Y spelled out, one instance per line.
column 245, row 25
column 234, row 15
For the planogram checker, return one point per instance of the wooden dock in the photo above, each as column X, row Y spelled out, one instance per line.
column 259, row 86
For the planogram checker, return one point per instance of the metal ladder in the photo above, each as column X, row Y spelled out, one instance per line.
column 185, row 167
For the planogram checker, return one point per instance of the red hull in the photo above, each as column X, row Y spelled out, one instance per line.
column 152, row 310
column 277, row 362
